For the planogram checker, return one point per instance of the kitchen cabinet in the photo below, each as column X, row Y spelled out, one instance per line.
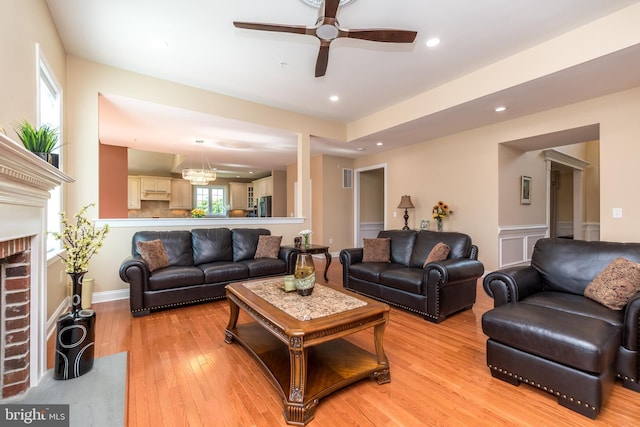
column 275, row 186
column 155, row 188
column 241, row 195
column 133, row 193
column 181, row 194
column 263, row 187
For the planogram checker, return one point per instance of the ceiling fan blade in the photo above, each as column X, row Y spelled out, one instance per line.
column 296, row 29
column 331, row 8
column 323, row 59
column 388, row 36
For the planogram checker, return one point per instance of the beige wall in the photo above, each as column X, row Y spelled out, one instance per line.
column 464, row 170
column 25, row 24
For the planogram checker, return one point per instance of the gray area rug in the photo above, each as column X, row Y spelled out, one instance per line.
column 96, row 398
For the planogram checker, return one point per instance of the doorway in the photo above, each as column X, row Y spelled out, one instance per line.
column 370, row 200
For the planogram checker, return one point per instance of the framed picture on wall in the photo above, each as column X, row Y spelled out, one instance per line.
column 525, row 190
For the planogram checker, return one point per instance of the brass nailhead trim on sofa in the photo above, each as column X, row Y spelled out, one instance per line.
column 177, row 304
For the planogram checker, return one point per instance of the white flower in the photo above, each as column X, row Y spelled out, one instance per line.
column 305, row 232
column 80, row 241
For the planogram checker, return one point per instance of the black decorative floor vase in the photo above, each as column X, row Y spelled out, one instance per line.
column 75, row 336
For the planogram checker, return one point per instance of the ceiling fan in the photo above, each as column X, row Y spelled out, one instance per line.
column 328, row 29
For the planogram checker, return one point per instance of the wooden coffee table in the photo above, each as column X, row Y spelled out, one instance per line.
column 299, row 341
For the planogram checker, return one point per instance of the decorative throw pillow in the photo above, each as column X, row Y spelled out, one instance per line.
column 440, row 252
column 376, row 250
column 268, row 246
column 616, row 284
column 153, row 253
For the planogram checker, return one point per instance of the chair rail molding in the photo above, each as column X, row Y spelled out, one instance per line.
column 516, row 242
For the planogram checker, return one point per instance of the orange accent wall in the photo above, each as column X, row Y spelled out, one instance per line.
column 113, row 186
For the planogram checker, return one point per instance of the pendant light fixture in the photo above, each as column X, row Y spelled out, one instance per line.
column 200, row 176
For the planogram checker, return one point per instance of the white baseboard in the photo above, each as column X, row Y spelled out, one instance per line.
column 97, row 297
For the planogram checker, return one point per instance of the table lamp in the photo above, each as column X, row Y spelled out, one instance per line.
column 405, row 203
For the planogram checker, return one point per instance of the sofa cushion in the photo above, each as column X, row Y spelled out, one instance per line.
column 175, row 277
column 177, row 245
column 376, row 250
column 616, row 284
column 581, row 262
column 268, row 246
column 401, row 244
column 245, row 242
column 264, row 267
column 575, row 304
column 211, row 245
column 459, row 245
column 153, row 254
column 440, row 252
column 224, row 271
column 406, row 279
column 371, row 271
column 582, row 342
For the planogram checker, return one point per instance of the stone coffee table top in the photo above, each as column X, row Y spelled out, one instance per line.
column 324, row 301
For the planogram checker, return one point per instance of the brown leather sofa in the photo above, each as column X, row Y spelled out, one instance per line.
column 544, row 332
column 201, row 263
column 435, row 290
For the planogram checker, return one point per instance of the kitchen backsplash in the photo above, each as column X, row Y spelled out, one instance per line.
column 157, row 209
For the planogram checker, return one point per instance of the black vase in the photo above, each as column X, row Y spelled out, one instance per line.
column 75, row 336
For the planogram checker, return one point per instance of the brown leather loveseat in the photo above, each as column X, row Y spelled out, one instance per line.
column 569, row 323
column 433, row 290
column 201, row 263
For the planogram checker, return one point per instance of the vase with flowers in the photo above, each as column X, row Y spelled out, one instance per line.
column 441, row 211
column 306, row 234
column 198, row 213
column 75, row 331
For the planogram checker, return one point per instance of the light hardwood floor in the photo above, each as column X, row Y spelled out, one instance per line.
column 181, row 373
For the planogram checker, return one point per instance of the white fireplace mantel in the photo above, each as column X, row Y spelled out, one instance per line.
column 25, row 182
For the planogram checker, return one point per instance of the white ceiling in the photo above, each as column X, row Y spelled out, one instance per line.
column 204, row 50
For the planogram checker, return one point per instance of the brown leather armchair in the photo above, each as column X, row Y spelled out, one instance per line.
column 544, row 332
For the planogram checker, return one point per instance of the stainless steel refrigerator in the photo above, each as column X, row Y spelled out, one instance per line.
column 264, row 206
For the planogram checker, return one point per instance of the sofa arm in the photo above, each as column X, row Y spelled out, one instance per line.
column 451, row 272
column 288, row 255
column 512, row 284
column 134, row 270
column 351, row 256
column 631, row 336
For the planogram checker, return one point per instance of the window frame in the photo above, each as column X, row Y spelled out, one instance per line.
column 210, row 189
column 45, row 77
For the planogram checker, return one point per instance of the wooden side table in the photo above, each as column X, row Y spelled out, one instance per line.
column 317, row 249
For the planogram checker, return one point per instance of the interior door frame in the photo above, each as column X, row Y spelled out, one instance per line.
column 356, row 198
column 578, row 167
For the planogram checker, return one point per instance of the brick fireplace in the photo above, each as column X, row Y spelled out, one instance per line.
column 25, row 182
column 15, row 270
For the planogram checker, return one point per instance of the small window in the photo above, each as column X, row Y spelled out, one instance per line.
column 50, row 112
column 211, row 199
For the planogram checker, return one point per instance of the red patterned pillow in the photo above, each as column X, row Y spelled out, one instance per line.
column 440, row 252
column 376, row 250
column 153, row 253
column 268, row 246
column 616, row 284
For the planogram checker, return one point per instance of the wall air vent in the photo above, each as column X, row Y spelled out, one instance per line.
column 347, row 178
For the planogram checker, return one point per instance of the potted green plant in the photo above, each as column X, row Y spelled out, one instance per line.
column 39, row 141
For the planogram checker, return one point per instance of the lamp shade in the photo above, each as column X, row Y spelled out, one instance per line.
column 405, row 203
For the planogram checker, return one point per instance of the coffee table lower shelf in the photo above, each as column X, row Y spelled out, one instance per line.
column 334, row 364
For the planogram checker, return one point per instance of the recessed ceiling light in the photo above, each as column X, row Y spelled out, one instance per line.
column 360, row 149
column 380, row 143
column 334, row 98
column 500, row 109
column 432, row 42
column 250, row 172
